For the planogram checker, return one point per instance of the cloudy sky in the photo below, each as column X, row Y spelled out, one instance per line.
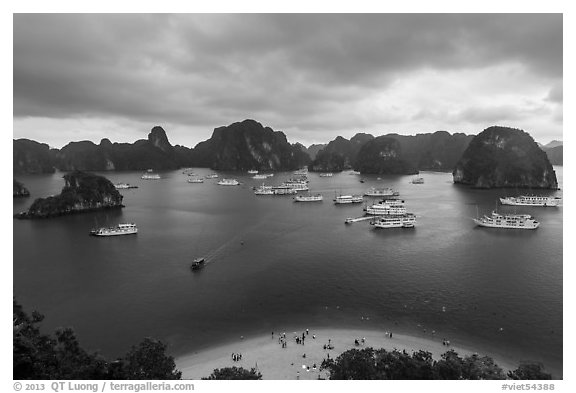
column 86, row 77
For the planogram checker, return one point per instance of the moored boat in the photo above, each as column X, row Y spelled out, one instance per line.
column 196, row 180
column 381, row 192
column 309, row 198
column 264, row 190
column 228, row 182
column 418, row 180
column 149, row 175
column 327, row 174
column 259, row 177
column 346, row 199
column 252, row 171
column 531, row 200
column 507, row 221
column 124, row 186
column 211, row 176
column 403, row 221
column 283, row 190
column 380, row 209
column 121, row 229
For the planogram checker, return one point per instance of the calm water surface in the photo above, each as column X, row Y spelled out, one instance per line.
column 279, row 265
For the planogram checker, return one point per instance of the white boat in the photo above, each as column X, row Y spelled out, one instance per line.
column 228, row 182
column 531, row 200
column 392, row 202
column 309, row 198
column 149, row 175
column 264, row 190
column 403, row 221
column 252, row 171
column 297, row 185
column 381, row 209
column 346, row 199
column 196, row 180
column 283, row 190
column 418, row 180
column 211, row 176
column 301, row 172
column 259, row 177
column 508, row 221
column 121, row 229
column 123, row 186
column 328, row 174
column 381, row 192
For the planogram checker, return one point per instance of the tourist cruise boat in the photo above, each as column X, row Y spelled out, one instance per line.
column 531, row 200
column 508, row 221
column 301, row 172
column 404, row 221
column 283, row 190
column 309, row 198
column 211, row 176
column 252, row 171
column 228, row 182
column 123, row 186
column 196, row 180
column 418, row 180
column 259, row 177
column 381, row 192
column 149, row 175
column 121, row 229
column 328, row 174
column 380, row 209
column 264, row 190
column 346, row 199
column 296, row 185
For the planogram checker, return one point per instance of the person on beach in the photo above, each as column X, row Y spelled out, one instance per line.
column 314, row 336
column 390, row 334
column 306, row 331
column 363, row 340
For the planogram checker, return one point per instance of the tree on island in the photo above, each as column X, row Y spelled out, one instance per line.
column 39, row 356
column 235, row 373
column 529, row 371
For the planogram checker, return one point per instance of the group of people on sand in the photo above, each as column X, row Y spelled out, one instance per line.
column 388, row 334
column 357, row 342
column 236, row 357
column 329, row 346
column 446, row 342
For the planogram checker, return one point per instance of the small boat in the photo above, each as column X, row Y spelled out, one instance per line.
column 301, row 172
column 211, row 176
column 149, row 175
column 381, row 209
column 198, row 263
column 296, row 185
column 531, row 200
column 327, row 174
column 196, row 180
column 123, row 186
column 283, row 190
column 228, row 182
column 309, row 198
column 252, row 171
column 264, row 190
column 508, row 221
column 404, row 221
column 346, row 199
column 121, row 229
column 381, row 192
column 259, row 177
column 418, row 180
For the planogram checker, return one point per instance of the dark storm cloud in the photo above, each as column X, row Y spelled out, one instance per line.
column 293, row 69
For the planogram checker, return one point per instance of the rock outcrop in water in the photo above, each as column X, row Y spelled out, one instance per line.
column 383, row 156
column 20, row 190
column 505, row 157
column 82, row 192
column 32, row 157
column 339, row 154
column 155, row 152
column 248, row 145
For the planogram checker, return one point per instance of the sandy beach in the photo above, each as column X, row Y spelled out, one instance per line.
column 277, row 363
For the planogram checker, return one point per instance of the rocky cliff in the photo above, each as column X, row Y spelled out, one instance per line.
column 155, row 152
column 504, row 157
column 248, row 145
column 339, row 154
column 383, row 155
column 82, row 192
column 20, row 190
column 32, row 157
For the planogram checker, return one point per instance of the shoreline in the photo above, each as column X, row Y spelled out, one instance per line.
column 265, row 353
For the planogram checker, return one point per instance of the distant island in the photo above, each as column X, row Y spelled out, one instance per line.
column 83, row 192
column 247, row 145
column 505, row 157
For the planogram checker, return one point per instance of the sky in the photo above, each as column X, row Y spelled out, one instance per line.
column 312, row 76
